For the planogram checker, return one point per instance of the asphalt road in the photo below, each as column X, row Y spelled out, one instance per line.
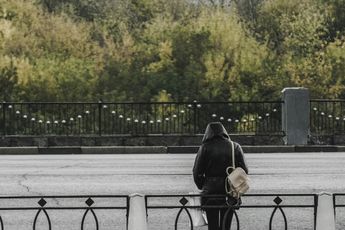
column 162, row 173
column 44, row 175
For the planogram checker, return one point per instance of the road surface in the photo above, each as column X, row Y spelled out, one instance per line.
column 43, row 175
column 162, row 173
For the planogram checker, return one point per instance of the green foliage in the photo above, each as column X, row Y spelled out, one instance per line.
column 157, row 50
column 296, row 33
column 336, row 19
column 8, row 79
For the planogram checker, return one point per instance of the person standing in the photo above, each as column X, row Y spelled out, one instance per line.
column 209, row 172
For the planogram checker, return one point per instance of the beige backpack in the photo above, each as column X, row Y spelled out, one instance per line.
column 237, row 181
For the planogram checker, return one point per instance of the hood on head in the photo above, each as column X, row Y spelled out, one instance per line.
column 215, row 129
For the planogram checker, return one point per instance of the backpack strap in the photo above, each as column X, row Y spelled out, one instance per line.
column 231, row 167
column 233, row 154
column 232, row 158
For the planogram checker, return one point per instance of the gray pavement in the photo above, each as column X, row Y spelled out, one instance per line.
column 162, row 173
column 156, row 174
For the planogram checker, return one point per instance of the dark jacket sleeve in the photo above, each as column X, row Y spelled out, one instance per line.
column 199, row 167
column 240, row 160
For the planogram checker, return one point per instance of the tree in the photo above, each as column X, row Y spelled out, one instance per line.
column 8, row 79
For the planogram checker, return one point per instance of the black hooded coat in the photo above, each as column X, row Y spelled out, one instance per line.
column 212, row 159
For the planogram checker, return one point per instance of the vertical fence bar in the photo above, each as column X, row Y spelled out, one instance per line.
column 100, row 117
column 194, row 116
column 315, row 209
column 321, row 125
column 120, row 118
column 10, row 120
column 334, row 126
column 131, row 123
column 23, row 124
column 67, row 119
column 341, row 127
column 125, row 116
column 334, row 205
column 3, row 104
column 162, row 118
column 328, row 121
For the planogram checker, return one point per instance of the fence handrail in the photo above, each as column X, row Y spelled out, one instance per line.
column 63, row 196
column 148, row 102
column 327, row 100
column 244, row 195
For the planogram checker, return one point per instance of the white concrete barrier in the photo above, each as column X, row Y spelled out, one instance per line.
column 137, row 219
column 295, row 115
column 325, row 219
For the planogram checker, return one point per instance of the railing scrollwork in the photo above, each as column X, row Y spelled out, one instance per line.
column 42, row 203
column 89, row 203
column 184, row 201
column 278, row 201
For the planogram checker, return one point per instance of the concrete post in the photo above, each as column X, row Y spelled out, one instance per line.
column 137, row 212
column 295, row 115
column 325, row 219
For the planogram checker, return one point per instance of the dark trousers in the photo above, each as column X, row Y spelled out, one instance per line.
column 215, row 218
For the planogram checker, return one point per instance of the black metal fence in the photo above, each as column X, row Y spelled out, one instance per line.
column 327, row 117
column 258, row 211
column 138, row 118
column 73, row 212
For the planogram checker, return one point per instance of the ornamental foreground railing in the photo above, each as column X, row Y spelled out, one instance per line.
column 165, row 212
column 339, row 209
column 64, row 212
column 43, row 118
column 258, row 211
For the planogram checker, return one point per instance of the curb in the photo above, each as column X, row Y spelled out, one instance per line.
column 123, row 149
column 18, row 150
column 29, row 150
column 59, row 150
column 83, row 150
column 267, row 149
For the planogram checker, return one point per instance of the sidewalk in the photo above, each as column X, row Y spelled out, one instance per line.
column 160, row 149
